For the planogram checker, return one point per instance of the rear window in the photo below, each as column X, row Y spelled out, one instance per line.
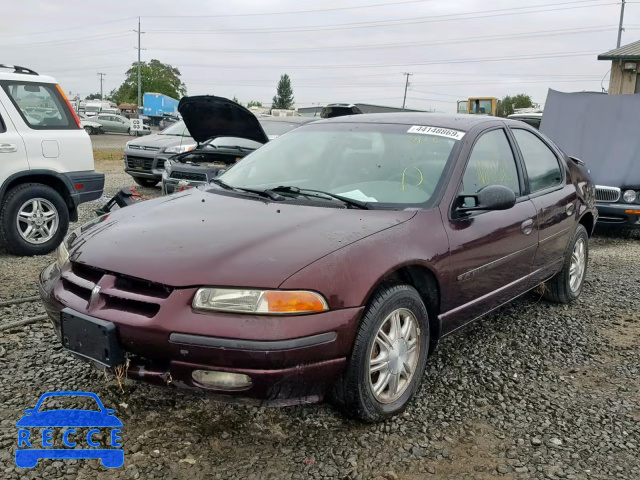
column 40, row 105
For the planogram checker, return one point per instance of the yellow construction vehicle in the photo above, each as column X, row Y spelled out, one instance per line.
column 479, row 106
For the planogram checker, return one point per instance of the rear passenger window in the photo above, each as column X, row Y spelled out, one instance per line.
column 541, row 163
column 40, row 105
column 491, row 163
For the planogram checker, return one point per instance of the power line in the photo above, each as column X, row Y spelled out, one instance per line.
column 92, row 38
column 46, row 32
column 295, row 12
column 545, row 33
column 396, row 22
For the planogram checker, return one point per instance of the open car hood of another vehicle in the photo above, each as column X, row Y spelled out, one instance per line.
column 208, row 117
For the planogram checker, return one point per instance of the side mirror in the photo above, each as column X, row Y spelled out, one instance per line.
column 28, row 411
column 109, row 411
column 491, row 197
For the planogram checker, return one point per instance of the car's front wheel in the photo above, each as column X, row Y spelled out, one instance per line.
column 89, row 130
column 388, row 357
column 33, row 220
column 567, row 285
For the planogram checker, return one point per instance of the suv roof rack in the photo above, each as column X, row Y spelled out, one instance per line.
column 18, row 69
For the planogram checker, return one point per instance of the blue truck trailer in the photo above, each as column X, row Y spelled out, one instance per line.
column 156, row 106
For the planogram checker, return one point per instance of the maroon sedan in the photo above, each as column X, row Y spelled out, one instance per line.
column 330, row 261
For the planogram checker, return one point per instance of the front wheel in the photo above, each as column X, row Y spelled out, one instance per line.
column 33, row 220
column 89, row 130
column 388, row 357
column 567, row 285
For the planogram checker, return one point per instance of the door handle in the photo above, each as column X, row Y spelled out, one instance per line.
column 8, row 148
column 527, row 226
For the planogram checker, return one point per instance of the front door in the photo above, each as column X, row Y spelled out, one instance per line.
column 13, row 156
column 491, row 252
column 554, row 197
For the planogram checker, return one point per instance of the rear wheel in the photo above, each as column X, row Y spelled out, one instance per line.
column 388, row 357
column 34, row 219
column 567, row 285
column 145, row 182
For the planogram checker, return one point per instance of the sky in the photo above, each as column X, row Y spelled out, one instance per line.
column 334, row 51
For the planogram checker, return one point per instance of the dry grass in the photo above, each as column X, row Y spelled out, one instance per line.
column 113, row 154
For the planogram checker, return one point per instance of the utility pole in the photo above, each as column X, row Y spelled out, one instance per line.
column 620, row 29
column 102, row 75
column 406, row 86
column 139, row 32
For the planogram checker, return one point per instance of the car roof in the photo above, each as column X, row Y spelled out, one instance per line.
column 457, row 122
column 286, row 119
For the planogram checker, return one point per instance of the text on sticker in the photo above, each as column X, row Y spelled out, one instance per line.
column 439, row 131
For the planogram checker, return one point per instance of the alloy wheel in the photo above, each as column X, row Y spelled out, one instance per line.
column 37, row 221
column 394, row 355
column 578, row 265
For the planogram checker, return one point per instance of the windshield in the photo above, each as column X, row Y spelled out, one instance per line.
column 480, row 106
column 375, row 163
column 178, row 129
column 274, row 129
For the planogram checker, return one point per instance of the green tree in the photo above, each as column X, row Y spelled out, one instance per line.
column 284, row 94
column 92, row 96
column 509, row 103
column 254, row 103
column 156, row 77
column 235, row 99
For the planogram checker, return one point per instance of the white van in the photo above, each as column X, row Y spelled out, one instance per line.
column 46, row 163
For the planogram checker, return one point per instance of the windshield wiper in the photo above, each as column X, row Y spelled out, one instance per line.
column 322, row 194
column 234, row 147
column 263, row 193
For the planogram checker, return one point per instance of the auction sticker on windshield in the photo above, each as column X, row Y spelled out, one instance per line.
column 438, row 131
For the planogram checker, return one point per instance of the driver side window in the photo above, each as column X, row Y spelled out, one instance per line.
column 491, row 163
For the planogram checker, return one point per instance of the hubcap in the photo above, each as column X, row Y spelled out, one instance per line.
column 37, row 221
column 578, row 264
column 394, row 355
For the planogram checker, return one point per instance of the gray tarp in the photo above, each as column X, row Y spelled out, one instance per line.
column 602, row 130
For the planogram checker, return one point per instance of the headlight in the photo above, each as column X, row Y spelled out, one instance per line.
column 259, row 301
column 126, row 145
column 629, row 196
column 180, row 148
column 62, row 255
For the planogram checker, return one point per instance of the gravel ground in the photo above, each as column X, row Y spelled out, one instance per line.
column 535, row 390
column 110, row 141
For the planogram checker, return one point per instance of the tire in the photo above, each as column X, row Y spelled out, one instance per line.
column 145, row 182
column 354, row 392
column 16, row 201
column 89, row 130
column 129, row 133
column 560, row 288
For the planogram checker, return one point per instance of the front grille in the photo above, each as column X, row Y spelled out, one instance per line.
column 160, row 163
column 139, row 162
column 607, row 194
column 142, row 147
column 117, row 292
column 191, row 176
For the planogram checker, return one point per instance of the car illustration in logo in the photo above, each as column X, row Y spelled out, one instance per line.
column 32, row 446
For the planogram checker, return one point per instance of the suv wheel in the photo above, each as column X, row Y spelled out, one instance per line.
column 388, row 357
column 567, row 285
column 34, row 219
column 145, row 182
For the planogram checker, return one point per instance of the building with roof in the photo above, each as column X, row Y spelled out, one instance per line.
column 625, row 77
column 364, row 108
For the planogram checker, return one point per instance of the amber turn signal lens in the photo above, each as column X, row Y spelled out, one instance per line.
column 633, row 212
column 289, row 302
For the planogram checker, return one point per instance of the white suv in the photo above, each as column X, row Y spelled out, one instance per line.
column 46, row 163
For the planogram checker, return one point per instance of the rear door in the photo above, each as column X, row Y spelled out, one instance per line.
column 554, row 196
column 13, row 155
column 53, row 139
column 491, row 252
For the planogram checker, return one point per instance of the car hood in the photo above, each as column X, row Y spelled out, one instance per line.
column 156, row 140
column 69, row 418
column 205, row 238
column 209, row 117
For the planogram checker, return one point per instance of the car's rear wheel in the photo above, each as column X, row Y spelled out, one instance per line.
column 388, row 357
column 567, row 285
column 34, row 219
column 145, row 182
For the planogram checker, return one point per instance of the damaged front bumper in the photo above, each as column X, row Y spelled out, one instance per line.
column 289, row 360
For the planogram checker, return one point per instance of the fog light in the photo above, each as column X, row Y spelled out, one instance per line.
column 222, row 380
